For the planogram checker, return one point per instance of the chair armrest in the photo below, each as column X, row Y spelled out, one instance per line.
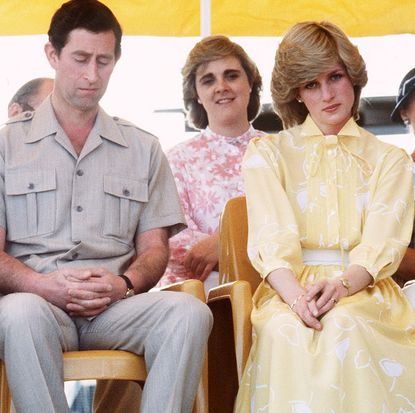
column 193, row 287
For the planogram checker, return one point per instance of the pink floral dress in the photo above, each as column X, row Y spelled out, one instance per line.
column 207, row 170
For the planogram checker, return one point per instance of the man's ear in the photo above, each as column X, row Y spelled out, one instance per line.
column 51, row 54
column 14, row 109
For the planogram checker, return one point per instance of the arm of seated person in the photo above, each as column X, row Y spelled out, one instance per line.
column 148, row 266
column 152, row 254
column 289, row 289
column 203, row 257
column 55, row 287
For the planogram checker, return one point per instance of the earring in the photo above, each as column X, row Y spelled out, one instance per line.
column 406, row 122
column 299, row 100
column 199, row 101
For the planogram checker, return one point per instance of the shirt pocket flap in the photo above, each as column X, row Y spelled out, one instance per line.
column 20, row 183
column 121, row 187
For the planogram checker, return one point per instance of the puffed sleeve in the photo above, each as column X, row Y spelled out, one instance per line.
column 388, row 219
column 273, row 237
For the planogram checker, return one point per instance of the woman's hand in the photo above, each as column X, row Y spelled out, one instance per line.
column 305, row 311
column 286, row 284
column 203, row 257
column 324, row 295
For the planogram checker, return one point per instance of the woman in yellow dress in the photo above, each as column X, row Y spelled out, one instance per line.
column 330, row 210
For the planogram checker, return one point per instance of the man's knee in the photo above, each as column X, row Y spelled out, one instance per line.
column 191, row 312
column 19, row 309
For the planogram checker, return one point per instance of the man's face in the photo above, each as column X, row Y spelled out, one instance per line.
column 83, row 68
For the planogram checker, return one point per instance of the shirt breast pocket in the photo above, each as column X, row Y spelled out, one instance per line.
column 30, row 203
column 124, row 200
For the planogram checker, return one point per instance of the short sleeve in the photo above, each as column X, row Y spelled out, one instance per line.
column 163, row 208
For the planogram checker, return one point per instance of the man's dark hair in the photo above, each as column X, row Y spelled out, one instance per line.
column 90, row 15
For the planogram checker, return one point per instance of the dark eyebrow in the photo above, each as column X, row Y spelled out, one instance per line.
column 339, row 70
column 230, row 71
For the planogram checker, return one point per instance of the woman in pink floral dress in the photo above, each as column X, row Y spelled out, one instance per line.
column 221, row 92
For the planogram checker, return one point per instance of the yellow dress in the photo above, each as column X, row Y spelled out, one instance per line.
column 349, row 197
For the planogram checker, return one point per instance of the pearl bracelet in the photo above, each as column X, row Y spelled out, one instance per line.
column 294, row 303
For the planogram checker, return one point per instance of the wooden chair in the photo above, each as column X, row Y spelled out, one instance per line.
column 231, row 305
column 115, row 364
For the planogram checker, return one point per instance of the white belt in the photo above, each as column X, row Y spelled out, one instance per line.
column 325, row 257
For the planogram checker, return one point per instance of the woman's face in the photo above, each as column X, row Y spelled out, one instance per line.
column 223, row 89
column 329, row 99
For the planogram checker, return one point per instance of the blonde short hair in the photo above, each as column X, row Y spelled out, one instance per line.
column 207, row 50
column 307, row 50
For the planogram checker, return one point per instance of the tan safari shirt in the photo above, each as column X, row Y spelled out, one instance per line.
column 60, row 209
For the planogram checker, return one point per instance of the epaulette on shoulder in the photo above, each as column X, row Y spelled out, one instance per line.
column 21, row 117
column 123, row 122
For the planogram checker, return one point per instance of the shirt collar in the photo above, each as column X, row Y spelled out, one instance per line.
column 309, row 128
column 352, row 144
column 45, row 123
column 246, row 136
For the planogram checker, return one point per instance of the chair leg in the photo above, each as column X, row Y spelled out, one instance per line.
column 5, row 396
column 202, row 403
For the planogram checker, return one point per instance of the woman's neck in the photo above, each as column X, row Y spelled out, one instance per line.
column 231, row 131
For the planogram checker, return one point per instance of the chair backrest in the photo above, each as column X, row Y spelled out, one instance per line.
column 234, row 263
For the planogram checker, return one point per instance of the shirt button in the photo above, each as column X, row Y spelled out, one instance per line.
column 79, row 172
column 75, row 255
column 79, row 208
column 126, row 192
column 31, row 185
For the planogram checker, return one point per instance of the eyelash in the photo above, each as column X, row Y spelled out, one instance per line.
column 81, row 61
column 334, row 77
column 310, row 85
column 230, row 76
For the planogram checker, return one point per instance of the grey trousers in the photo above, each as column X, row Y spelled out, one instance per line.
column 171, row 330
